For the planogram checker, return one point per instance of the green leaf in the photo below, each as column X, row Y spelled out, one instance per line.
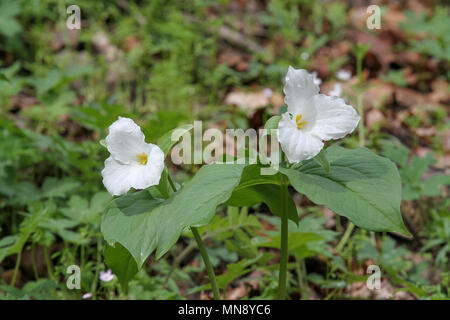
column 256, row 188
column 282, row 109
column 143, row 222
column 121, row 263
column 166, row 143
column 321, row 159
column 361, row 186
column 432, row 186
column 296, row 239
column 3, row 77
column 272, row 123
column 234, row 271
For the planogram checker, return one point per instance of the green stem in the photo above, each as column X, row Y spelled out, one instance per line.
column 97, row 268
column 284, row 243
column 16, row 268
column 171, row 182
column 208, row 266
column 82, row 256
column 48, row 263
column 299, row 277
column 302, row 282
column 177, row 262
column 33, row 261
column 204, row 254
column 345, row 237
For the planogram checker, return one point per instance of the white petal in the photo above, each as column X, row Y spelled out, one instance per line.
column 298, row 145
column 144, row 176
column 299, row 87
column 115, row 177
column 317, row 80
column 343, row 75
column 337, row 90
column 125, row 140
column 334, row 118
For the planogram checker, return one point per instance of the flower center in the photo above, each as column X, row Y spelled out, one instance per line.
column 298, row 120
column 142, row 158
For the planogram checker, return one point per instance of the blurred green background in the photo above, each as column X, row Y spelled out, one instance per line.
column 167, row 63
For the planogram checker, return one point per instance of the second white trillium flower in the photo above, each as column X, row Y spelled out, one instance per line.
column 311, row 118
column 133, row 162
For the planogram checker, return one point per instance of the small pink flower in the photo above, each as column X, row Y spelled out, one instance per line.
column 87, row 295
column 106, row 276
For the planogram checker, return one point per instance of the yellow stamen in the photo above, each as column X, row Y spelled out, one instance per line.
column 300, row 124
column 142, row 158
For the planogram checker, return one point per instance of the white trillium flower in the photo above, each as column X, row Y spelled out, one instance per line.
column 311, row 117
column 133, row 162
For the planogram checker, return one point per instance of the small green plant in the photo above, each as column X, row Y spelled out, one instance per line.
column 412, row 169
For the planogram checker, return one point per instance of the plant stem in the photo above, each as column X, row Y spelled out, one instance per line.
column 33, row 261
column 345, row 237
column 284, row 243
column 16, row 268
column 97, row 268
column 204, row 254
column 171, row 182
column 177, row 262
column 302, row 282
column 208, row 266
column 48, row 263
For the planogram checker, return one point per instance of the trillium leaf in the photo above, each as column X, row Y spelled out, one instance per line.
column 196, row 202
column 282, row 109
column 142, row 222
column 256, row 188
column 321, row 159
column 272, row 122
column 361, row 186
column 121, row 263
column 166, row 143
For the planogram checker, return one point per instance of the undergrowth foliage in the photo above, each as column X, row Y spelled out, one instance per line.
column 367, row 187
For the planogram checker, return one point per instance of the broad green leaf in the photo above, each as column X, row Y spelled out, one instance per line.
column 321, row 159
column 121, row 263
column 361, row 186
column 142, row 222
column 256, row 188
column 132, row 221
column 272, row 123
column 166, row 143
